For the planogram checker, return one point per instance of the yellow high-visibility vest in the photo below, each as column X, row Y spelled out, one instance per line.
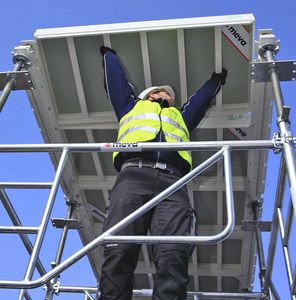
column 145, row 121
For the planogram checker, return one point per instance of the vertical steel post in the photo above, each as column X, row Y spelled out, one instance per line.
column 286, row 252
column 275, row 222
column 61, row 246
column 45, row 219
column 268, row 49
column 261, row 260
column 10, row 84
column 284, row 128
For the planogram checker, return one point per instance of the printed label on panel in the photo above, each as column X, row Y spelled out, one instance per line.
column 239, row 37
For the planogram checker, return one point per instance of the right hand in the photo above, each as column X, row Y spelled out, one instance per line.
column 104, row 49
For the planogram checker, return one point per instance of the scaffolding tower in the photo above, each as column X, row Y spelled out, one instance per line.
column 61, row 71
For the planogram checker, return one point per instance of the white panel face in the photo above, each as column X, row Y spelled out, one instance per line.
column 68, row 77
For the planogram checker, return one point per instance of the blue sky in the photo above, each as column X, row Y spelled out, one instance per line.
column 18, row 21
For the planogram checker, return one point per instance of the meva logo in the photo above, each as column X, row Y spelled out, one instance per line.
column 241, row 132
column 118, row 145
column 236, row 35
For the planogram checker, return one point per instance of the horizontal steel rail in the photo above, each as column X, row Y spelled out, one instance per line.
column 224, row 152
column 19, row 229
column 148, row 293
column 25, row 185
column 138, row 147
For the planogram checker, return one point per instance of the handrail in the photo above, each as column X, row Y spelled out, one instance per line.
column 106, row 236
column 148, row 292
column 138, row 147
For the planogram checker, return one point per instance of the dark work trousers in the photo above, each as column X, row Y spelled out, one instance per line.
column 133, row 188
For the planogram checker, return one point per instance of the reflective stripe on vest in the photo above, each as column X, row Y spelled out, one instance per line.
column 151, row 116
column 137, row 126
column 175, row 124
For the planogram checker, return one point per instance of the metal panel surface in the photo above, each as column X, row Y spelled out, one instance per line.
column 68, row 77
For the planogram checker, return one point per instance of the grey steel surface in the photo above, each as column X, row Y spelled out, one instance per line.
column 21, row 80
column 286, row 70
column 8, row 84
column 251, row 225
column 71, row 224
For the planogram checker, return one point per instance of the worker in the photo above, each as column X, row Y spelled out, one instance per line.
column 150, row 117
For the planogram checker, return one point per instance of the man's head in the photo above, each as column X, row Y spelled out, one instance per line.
column 156, row 92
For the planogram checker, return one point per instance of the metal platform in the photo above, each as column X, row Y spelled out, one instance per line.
column 71, row 106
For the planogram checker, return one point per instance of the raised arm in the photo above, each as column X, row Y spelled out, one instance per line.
column 197, row 105
column 120, row 92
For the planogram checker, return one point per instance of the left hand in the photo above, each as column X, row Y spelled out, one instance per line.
column 104, row 49
column 220, row 76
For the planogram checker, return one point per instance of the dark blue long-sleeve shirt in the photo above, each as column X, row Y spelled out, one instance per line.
column 121, row 95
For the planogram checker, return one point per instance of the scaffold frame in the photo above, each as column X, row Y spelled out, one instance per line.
column 265, row 69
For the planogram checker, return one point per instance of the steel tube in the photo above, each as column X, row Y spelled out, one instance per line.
column 148, row 292
column 288, row 224
column 274, row 230
column 285, row 249
column 108, row 147
column 45, row 218
column 229, row 190
column 27, row 296
column 290, row 161
column 16, row 221
column 279, row 102
column 82, row 252
column 88, row 296
column 273, row 290
column 221, row 295
column 293, row 286
column 25, row 185
column 60, row 250
column 284, row 127
column 157, row 199
column 10, row 84
column 260, row 258
column 107, row 237
column 259, row 243
column 19, row 229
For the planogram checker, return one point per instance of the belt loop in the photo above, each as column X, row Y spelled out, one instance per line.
column 140, row 163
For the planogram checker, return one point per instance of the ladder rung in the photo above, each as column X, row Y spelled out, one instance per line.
column 18, row 229
column 25, row 185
